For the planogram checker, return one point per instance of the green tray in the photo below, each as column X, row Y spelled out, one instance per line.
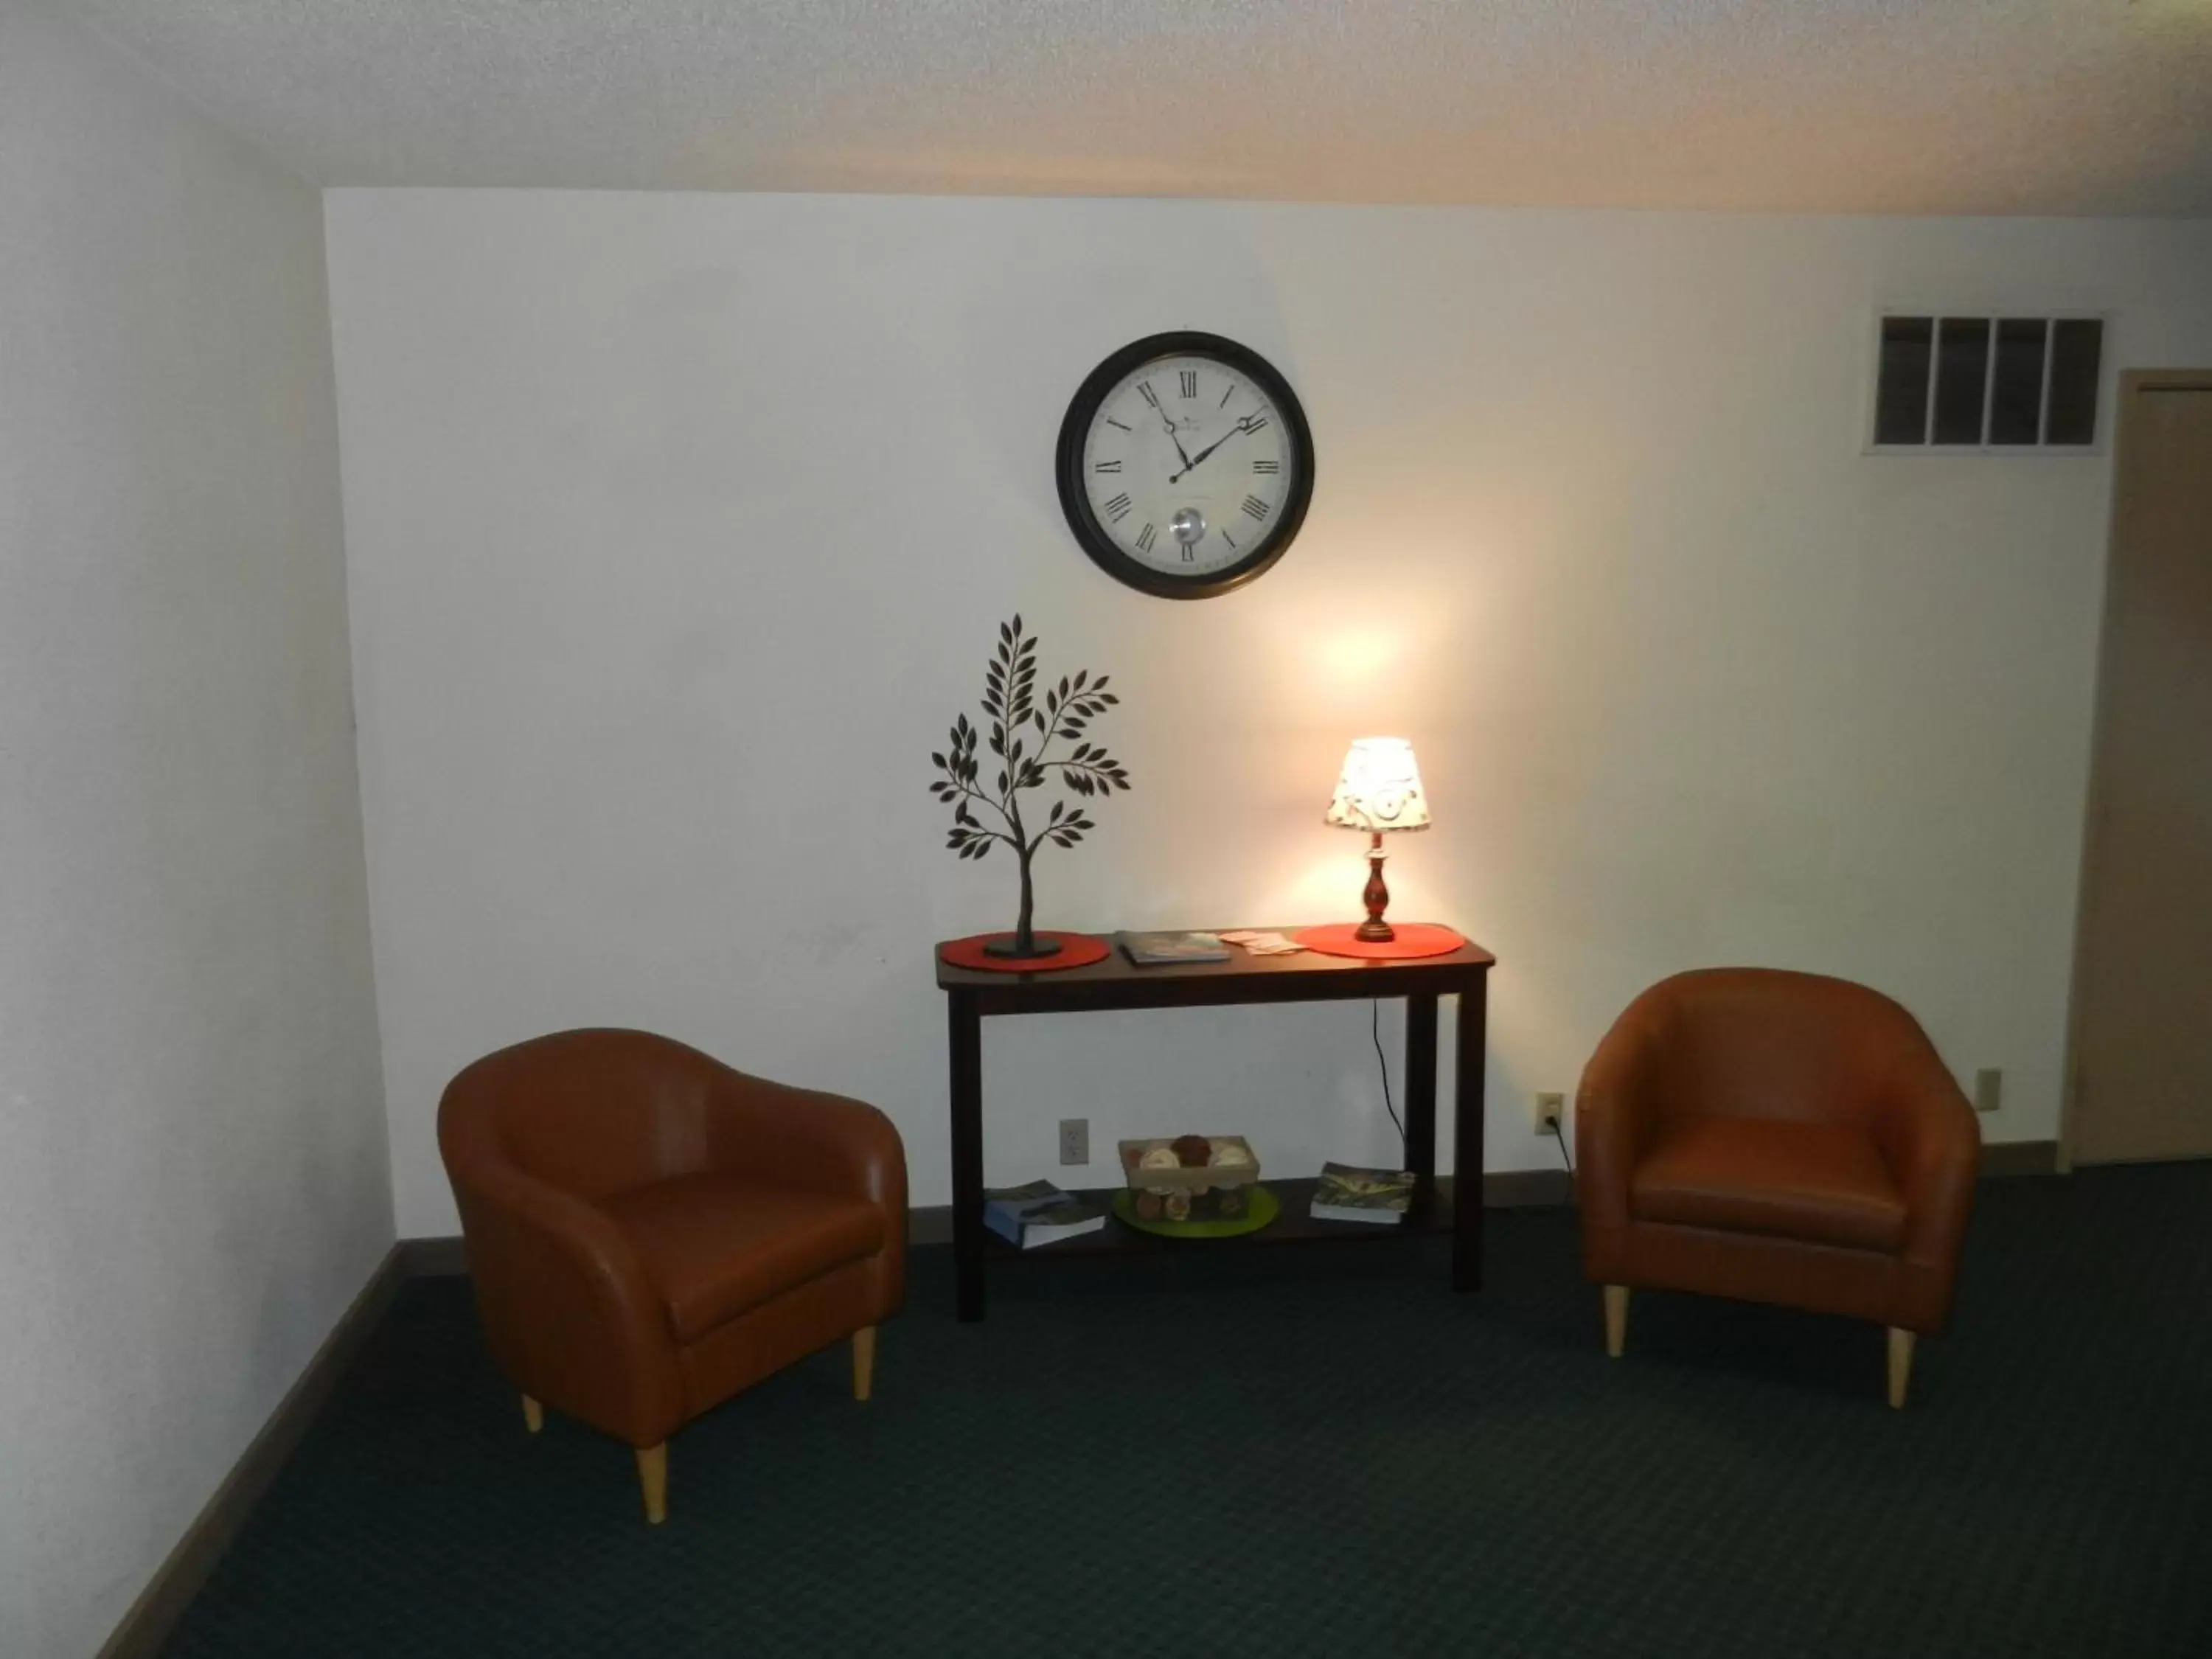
column 1260, row 1207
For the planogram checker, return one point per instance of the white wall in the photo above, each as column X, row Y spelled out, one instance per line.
column 195, row 1181
column 679, row 527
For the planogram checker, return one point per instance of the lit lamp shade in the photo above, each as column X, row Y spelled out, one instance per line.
column 1380, row 787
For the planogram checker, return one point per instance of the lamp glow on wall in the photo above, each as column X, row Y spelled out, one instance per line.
column 1379, row 791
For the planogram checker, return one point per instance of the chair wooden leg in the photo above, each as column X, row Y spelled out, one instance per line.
column 653, row 1477
column 533, row 1414
column 1900, row 1365
column 1616, row 1320
column 864, row 1362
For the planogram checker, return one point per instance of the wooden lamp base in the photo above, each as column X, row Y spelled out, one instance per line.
column 1375, row 897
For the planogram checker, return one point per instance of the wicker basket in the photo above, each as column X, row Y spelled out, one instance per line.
column 1193, row 1180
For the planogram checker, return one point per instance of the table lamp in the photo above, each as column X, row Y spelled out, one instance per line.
column 1380, row 789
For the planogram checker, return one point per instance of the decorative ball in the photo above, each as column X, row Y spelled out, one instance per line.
column 1149, row 1207
column 1176, row 1206
column 1193, row 1151
column 1228, row 1202
column 1232, row 1155
column 1159, row 1157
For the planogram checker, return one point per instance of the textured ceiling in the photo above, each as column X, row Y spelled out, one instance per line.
column 2066, row 107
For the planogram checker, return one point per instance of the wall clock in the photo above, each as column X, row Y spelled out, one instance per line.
column 1185, row 465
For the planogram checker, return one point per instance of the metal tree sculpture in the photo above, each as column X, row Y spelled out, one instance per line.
column 1010, row 705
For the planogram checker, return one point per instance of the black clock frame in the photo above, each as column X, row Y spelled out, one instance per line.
column 1075, row 500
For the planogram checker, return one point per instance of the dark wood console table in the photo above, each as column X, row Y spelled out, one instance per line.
column 971, row 994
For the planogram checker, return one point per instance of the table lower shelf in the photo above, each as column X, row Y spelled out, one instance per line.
column 1295, row 1225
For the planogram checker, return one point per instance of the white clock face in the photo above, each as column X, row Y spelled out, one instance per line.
column 1187, row 465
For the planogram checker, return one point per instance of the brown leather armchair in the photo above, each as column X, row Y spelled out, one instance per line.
column 651, row 1232
column 1775, row 1137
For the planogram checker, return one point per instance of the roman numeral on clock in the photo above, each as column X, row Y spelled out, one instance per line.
column 1108, row 466
column 1189, row 377
column 1255, row 508
column 1257, row 466
column 1110, row 421
column 1150, row 396
column 1255, row 423
column 1145, row 539
column 1117, row 509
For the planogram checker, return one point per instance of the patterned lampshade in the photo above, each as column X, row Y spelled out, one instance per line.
column 1380, row 788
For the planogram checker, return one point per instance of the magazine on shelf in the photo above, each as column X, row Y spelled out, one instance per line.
column 1038, row 1213
column 1346, row 1192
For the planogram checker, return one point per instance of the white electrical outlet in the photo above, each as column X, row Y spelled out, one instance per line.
column 1075, row 1140
column 1551, row 1112
column 1988, row 1089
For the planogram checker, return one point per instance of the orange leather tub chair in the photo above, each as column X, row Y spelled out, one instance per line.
column 650, row 1231
column 1775, row 1137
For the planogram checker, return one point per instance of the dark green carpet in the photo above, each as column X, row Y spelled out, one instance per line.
column 1314, row 1451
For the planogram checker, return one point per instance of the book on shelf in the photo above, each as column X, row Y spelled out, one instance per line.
column 1347, row 1192
column 1164, row 950
column 1037, row 1213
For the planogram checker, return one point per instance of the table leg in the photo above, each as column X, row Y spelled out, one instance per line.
column 964, row 1027
column 1467, row 1138
column 1421, row 1103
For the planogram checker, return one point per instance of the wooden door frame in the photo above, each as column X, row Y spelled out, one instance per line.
column 2133, row 383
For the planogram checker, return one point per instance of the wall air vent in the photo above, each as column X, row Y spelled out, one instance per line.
column 1985, row 385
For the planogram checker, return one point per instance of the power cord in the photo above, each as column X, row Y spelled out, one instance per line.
column 1382, row 1066
column 1374, row 1031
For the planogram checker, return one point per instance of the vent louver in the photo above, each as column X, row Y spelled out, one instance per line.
column 1994, row 384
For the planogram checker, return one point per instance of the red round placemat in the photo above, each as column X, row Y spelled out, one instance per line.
column 1415, row 938
column 1076, row 951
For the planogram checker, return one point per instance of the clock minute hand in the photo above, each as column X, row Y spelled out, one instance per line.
column 1167, row 421
column 1190, row 462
